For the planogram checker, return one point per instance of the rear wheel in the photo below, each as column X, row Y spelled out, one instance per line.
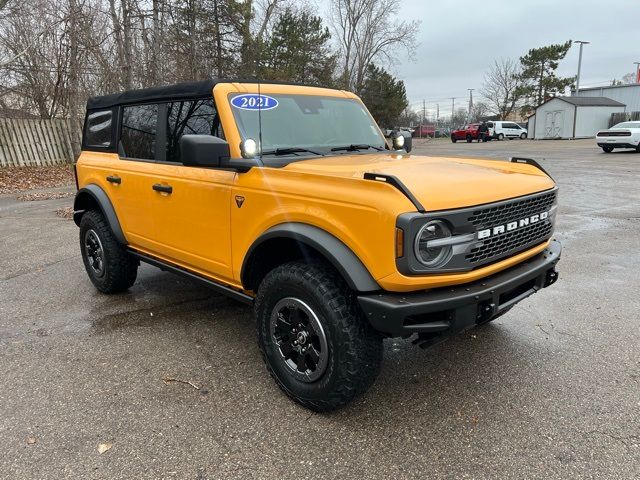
column 607, row 149
column 501, row 136
column 109, row 266
column 469, row 138
column 314, row 339
column 638, row 147
column 453, row 139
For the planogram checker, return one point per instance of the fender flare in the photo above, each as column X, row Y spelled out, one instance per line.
column 98, row 195
column 331, row 248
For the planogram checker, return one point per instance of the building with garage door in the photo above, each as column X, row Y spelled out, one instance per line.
column 572, row 117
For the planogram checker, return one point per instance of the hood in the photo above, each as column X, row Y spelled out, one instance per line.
column 439, row 183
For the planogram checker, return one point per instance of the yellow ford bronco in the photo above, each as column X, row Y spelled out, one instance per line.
column 289, row 198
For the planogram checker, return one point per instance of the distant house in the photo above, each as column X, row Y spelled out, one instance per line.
column 572, row 117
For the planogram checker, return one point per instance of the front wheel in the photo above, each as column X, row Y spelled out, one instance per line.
column 469, row 138
column 607, row 149
column 453, row 139
column 500, row 136
column 314, row 339
column 523, row 136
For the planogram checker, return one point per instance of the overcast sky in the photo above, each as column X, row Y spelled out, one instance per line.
column 459, row 39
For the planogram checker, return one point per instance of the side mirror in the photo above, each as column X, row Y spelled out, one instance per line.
column 408, row 141
column 203, row 151
column 401, row 140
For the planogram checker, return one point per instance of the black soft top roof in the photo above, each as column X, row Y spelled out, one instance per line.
column 170, row 92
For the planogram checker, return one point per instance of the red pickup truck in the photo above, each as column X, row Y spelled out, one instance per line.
column 468, row 133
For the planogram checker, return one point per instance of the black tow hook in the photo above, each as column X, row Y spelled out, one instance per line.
column 551, row 277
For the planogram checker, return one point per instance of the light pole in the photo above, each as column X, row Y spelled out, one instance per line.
column 637, row 64
column 470, row 103
column 582, row 43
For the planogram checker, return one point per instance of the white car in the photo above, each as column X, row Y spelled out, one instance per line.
column 501, row 130
column 622, row 135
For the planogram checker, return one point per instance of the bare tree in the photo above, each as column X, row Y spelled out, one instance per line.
column 367, row 32
column 501, row 87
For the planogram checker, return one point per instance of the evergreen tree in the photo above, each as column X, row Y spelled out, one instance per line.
column 538, row 74
column 384, row 95
column 298, row 50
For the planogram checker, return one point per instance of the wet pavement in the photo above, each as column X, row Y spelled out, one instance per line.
column 169, row 374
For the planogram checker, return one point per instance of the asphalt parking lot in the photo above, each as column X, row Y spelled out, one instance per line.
column 551, row 390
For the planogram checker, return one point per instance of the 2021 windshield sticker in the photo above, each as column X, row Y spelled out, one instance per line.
column 252, row 101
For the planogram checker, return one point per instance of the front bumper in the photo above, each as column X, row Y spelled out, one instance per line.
column 453, row 309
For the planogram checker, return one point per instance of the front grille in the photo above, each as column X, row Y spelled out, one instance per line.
column 515, row 241
column 507, row 212
column 510, row 242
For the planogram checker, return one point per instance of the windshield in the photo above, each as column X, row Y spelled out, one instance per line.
column 627, row 125
column 304, row 122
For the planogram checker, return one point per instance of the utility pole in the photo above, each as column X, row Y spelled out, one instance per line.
column 470, row 103
column 437, row 112
column 637, row 64
column 424, row 115
column 582, row 43
column 453, row 106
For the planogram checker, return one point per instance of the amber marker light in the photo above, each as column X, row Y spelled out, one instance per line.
column 399, row 243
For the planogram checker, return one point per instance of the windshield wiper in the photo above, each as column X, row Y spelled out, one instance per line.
column 288, row 151
column 353, row 147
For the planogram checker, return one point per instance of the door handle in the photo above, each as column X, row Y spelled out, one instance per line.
column 114, row 179
column 158, row 187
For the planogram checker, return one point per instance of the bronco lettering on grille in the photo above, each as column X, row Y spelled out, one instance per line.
column 509, row 227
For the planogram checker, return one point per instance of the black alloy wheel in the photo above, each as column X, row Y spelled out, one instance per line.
column 300, row 338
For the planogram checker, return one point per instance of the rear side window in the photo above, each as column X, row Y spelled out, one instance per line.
column 98, row 131
column 193, row 117
column 138, row 135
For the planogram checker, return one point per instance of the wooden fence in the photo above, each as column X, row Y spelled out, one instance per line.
column 26, row 142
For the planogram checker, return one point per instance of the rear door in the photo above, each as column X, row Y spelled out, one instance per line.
column 131, row 175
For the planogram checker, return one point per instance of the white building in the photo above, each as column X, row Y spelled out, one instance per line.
column 627, row 94
column 572, row 117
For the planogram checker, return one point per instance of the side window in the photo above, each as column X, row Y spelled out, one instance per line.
column 192, row 117
column 97, row 131
column 138, row 135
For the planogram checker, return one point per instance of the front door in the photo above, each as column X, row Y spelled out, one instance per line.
column 192, row 205
column 193, row 218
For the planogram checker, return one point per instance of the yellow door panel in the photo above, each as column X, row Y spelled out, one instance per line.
column 129, row 191
column 193, row 224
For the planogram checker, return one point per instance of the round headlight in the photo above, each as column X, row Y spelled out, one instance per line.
column 428, row 254
column 398, row 141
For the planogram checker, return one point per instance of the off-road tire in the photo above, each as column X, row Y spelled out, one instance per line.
column 354, row 347
column 119, row 267
column 607, row 149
